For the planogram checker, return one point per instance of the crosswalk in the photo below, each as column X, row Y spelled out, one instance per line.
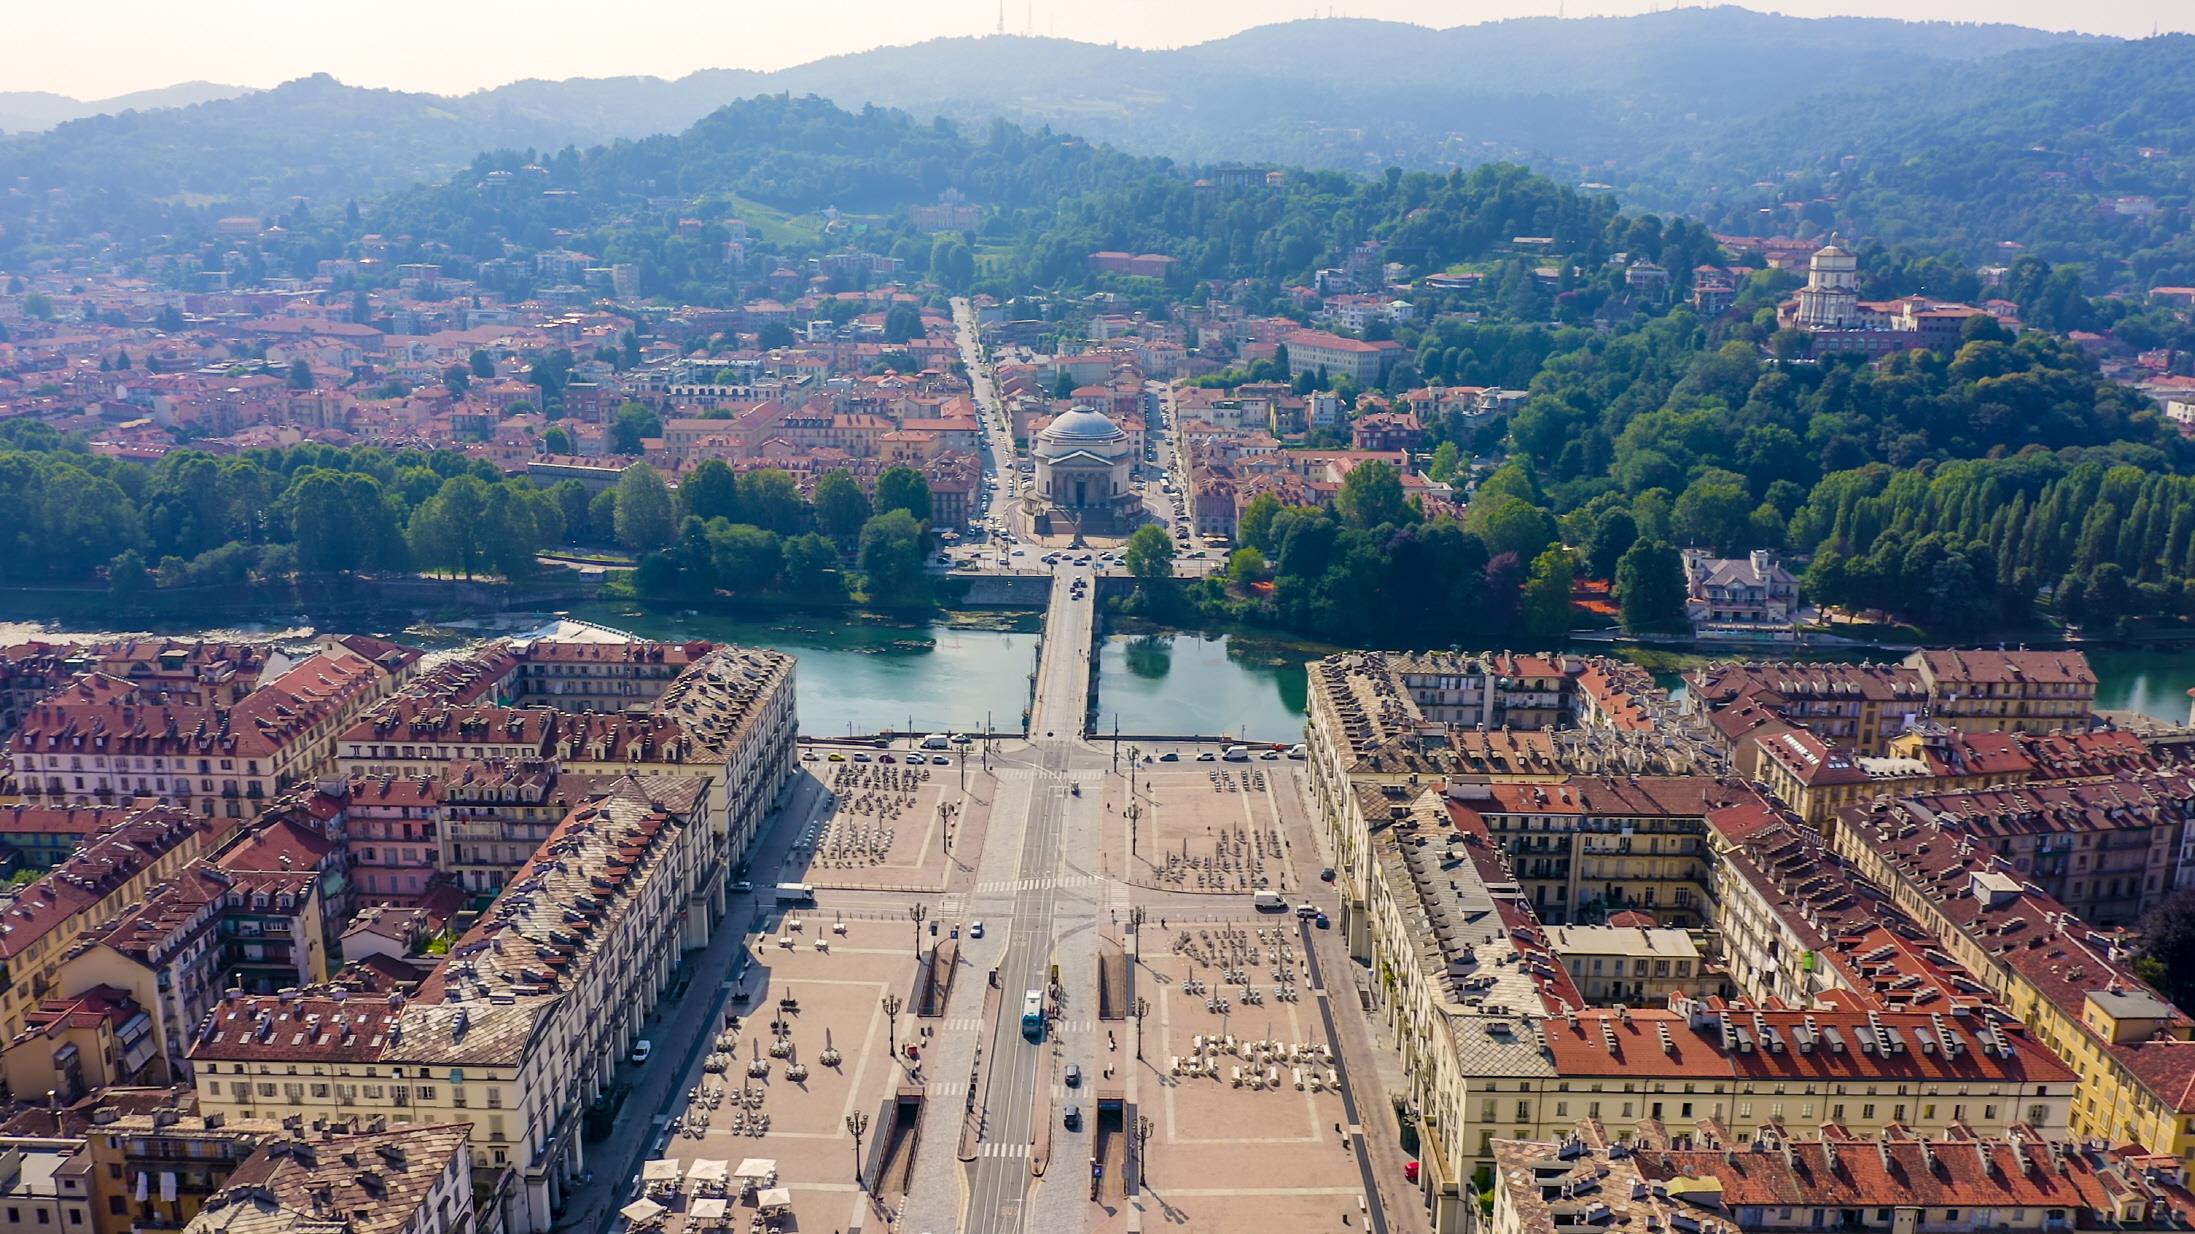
column 1004, row 1150
column 946, row 1089
column 963, row 1023
column 1062, row 882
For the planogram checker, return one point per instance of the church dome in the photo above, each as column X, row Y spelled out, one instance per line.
column 1083, row 426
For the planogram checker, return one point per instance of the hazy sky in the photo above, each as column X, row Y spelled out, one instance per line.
column 459, row 45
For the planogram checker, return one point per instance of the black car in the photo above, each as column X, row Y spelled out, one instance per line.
column 1074, row 1077
column 1073, row 1118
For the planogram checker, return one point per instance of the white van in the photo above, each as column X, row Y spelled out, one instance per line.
column 937, row 741
column 1269, row 901
column 1236, row 754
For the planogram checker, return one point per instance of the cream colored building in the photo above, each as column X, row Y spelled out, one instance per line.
column 523, row 1024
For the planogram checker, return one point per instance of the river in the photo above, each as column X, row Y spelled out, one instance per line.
column 864, row 672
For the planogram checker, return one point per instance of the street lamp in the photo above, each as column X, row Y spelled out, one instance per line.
column 1143, row 1148
column 918, row 912
column 891, row 1005
column 1143, row 1008
column 858, row 1123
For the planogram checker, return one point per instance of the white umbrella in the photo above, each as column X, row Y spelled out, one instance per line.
column 660, row 1170
column 704, row 1172
column 641, row 1210
column 775, row 1197
column 756, row 1168
column 709, row 1210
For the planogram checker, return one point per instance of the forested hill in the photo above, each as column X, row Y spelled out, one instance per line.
column 1056, row 199
column 1359, row 95
column 2036, row 149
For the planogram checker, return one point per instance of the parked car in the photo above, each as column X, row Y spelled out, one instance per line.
column 1169, row 757
column 1074, row 1076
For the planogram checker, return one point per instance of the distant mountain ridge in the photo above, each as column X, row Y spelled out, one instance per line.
column 30, row 111
column 1326, row 92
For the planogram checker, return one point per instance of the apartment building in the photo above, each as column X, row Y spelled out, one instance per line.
column 104, row 740
column 2069, row 982
column 1395, row 720
column 45, row 1186
column 1832, row 1182
column 115, row 870
column 1797, row 923
column 1633, row 965
column 521, row 1026
column 406, row 1180
column 156, row 1159
column 1856, row 707
column 1592, row 846
column 576, row 676
column 2105, row 849
column 78, row 1044
column 495, row 814
column 2008, row 691
column 1494, row 1042
column 728, row 718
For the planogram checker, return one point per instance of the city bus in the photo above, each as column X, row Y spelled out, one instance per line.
column 1032, row 1015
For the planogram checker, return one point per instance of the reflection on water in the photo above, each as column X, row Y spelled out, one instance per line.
column 1184, row 684
column 2154, row 683
column 858, row 674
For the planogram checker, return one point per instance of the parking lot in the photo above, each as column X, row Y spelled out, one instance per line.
column 1206, row 827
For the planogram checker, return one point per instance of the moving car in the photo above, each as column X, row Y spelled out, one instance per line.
column 975, row 929
column 641, row 1050
column 1072, row 1119
column 1074, row 1076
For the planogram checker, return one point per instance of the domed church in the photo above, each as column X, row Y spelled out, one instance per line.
column 1083, row 465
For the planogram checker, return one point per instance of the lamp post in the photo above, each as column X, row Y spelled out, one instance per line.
column 891, row 1005
column 918, row 912
column 858, row 1124
column 1143, row 1148
column 1143, row 1008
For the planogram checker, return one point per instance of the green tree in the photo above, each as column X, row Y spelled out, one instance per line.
column 1613, row 536
column 744, row 557
column 602, row 517
column 571, row 501
column 483, row 364
column 1545, row 606
column 1371, row 496
column 1511, row 525
column 1246, row 565
column 769, row 498
column 811, row 565
column 1715, row 511
column 557, row 440
column 1650, row 587
column 645, row 516
column 127, row 579
column 709, row 491
column 891, row 557
column 1256, row 529
column 634, row 424
column 1447, row 461
column 840, row 505
column 1150, row 555
column 450, row 529
column 300, row 375
column 903, row 488
column 457, row 379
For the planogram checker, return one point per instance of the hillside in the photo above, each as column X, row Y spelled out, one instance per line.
column 30, row 111
column 1297, row 92
column 2035, row 149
